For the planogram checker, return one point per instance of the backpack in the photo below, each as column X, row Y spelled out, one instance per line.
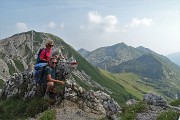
column 39, row 75
column 38, row 57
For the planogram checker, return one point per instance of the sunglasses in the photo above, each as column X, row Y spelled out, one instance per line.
column 54, row 62
column 51, row 45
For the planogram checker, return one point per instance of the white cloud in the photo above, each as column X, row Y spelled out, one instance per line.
column 107, row 23
column 111, row 23
column 21, row 26
column 51, row 25
column 147, row 22
column 94, row 17
column 137, row 22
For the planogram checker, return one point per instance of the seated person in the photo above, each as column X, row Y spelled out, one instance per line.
column 51, row 76
column 46, row 52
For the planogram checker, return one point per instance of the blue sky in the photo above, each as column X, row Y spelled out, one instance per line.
column 91, row 24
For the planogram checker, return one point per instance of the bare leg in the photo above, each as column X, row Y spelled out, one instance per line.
column 49, row 86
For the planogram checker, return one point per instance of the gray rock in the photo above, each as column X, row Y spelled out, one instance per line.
column 153, row 99
column 131, row 102
column 98, row 102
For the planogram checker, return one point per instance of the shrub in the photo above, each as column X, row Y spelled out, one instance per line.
column 1, row 83
column 36, row 106
column 12, row 108
column 12, row 70
column 48, row 115
column 168, row 115
column 175, row 102
column 131, row 111
column 19, row 65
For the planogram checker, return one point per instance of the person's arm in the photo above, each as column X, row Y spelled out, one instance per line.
column 50, row 79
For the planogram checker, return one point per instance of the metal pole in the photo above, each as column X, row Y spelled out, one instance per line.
column 32, row 42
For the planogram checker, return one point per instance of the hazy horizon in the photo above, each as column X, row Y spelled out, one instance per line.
column 91, row 24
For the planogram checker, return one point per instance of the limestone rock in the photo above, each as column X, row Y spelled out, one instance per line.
column 131, row 102
column 97, row 103
column 153, row 99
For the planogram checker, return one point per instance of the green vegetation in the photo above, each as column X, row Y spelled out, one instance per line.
column 81, row 83
column 1, row 83
column 134, row 84
column 19, row 65
column 130, row 112
column 12, row 70
column 37, row 105
column 131, row 82
column 168, row 115
column 15, row 108
column 175, row 103
column 143, row 66
column 38, row 37
column 48, row 115
column 12, row 108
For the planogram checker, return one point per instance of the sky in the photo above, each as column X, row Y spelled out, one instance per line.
column 90, row 24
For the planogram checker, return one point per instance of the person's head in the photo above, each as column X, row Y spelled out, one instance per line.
column 53, row 62
column 49, row 44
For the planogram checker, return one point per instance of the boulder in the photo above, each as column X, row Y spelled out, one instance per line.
column 154, row 99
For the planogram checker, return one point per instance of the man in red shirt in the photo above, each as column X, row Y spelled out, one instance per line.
column 46, row 53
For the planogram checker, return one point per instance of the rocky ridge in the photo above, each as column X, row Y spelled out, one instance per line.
column 77, row 103
column 13, row 54
column 90, row 102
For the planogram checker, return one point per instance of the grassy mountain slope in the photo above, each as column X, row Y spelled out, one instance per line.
column 169, row 85
column 145, row 65
column 133, row 83
column 154, row 69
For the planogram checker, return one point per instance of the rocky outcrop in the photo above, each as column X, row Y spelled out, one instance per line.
column 4, row 70
column 15, row 53
column 94, row 102
column 154, row 99
column 156, row 105
column 151, row 113
column 107, row 57
column 90, row 102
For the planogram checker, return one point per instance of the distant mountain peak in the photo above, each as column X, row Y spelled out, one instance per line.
column 120, row 44
column 82, row 49
column 83, row 52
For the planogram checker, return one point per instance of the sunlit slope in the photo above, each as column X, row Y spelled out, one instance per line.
column 132, row 83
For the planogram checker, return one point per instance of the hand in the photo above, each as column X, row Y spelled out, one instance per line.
column 61, row 82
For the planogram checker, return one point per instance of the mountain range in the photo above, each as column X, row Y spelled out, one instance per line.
column 154, row 70
column 20, row 50
column 129, row 74
column 174, row 57
column 121, row 71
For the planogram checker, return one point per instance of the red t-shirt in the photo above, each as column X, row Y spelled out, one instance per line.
column 45, row 54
